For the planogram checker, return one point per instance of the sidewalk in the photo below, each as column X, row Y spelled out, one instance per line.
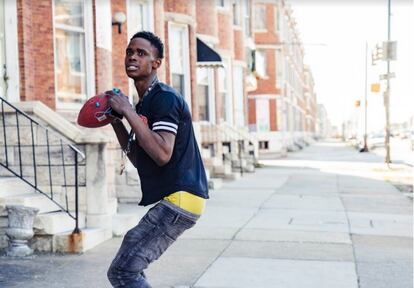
column 324, row 217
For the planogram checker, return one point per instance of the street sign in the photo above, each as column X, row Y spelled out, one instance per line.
column 387, row 76
column 375, row 87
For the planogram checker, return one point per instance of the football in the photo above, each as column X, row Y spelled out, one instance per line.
column 95, row 112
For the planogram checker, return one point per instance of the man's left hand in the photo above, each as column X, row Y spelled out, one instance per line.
column 118, row 102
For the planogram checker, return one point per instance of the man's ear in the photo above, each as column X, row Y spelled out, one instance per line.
column 156, row 63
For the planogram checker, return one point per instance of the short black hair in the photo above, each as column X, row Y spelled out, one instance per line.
column 153, row 39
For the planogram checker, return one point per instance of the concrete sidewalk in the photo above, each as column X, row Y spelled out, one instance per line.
column 325, row 217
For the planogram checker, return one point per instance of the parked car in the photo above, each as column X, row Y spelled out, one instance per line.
column 376, row 140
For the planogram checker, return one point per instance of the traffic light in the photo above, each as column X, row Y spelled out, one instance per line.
column 377, row 54
column 389, row 50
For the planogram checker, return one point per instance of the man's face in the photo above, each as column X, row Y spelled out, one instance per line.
column 140, row 58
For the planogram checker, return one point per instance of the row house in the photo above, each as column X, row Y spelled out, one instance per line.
column 282, row 110
column 55, row 54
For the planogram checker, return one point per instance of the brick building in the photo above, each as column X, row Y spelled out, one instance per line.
column 282, row 110
column 58, row 53
column 238, row 64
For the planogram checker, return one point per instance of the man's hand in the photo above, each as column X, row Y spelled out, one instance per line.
column 118, row 102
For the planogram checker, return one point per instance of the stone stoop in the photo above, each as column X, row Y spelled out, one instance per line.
column 215, row 183
column 53, row 228
column 88, row 238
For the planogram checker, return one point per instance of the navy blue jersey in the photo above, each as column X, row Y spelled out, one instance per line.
column 166, row 110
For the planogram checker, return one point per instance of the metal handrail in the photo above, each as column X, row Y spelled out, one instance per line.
column 226, row 133
column 52, row 178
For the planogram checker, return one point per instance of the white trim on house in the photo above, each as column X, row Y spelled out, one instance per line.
column 11, row 50
column 90, row 49
column 212, row 95
column 261, row 96
column 90, row 88
column 186, row 53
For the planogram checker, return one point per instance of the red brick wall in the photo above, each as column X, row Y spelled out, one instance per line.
column 206, row 25
column 270, row 36
column 272, row 115
column 119, row 43
column 268, row 84
column 35, row 41
column 160, row 32
column 239, row 52
column 179, row 6
column 225, row 31
column 252, row 111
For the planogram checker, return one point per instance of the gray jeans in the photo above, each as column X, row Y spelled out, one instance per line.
column 144, row 243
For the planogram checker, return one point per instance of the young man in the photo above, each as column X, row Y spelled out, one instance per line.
column 162, row 146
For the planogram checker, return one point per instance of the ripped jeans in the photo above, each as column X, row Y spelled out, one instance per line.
column 144, row 243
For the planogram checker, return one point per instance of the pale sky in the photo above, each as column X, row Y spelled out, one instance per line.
column 334, row 34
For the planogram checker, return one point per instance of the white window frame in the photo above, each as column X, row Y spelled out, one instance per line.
column 279, row 68
column 186, row 59
column 229, row 90
column 263, row 73
column 259, row 29
column 11, row 50
column 239, row 101
column 211, row 95
column 237, row 14
column 89, row 56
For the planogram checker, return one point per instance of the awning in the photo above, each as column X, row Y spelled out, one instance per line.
column 206, row 56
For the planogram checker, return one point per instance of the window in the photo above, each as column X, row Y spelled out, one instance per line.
column 238, row 92
column 264, row 145
column 70, row 55
column 236, row 13
column 222, row 79
column 260, row 17
column 260, row 63
column 279, row 68
column 221, row 3
column 246, row 12
column 277, row 19
column 179, row 62
column 262, row 115
column 203, row 92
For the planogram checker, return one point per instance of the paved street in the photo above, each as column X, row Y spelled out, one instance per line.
column 324, row 217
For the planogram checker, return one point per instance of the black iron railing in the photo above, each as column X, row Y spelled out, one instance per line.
column 41, row 158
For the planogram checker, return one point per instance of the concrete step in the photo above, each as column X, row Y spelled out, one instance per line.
column 35, row 200
column 215, row 183
column 12, row 186
column 232, row 176
column 213, row 161
column 89, row 238
column 56, row 222
column 222, row 170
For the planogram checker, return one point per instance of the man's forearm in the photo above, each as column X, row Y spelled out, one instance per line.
column 121, row 133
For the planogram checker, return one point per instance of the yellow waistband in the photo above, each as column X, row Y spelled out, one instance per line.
column 187, row 201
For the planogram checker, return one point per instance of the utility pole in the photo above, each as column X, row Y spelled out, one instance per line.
column 387, row 95
column 365, row 148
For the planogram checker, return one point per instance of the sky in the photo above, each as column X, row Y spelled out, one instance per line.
column 335, row 34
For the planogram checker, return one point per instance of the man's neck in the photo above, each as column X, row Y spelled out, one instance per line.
column 142, row 85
